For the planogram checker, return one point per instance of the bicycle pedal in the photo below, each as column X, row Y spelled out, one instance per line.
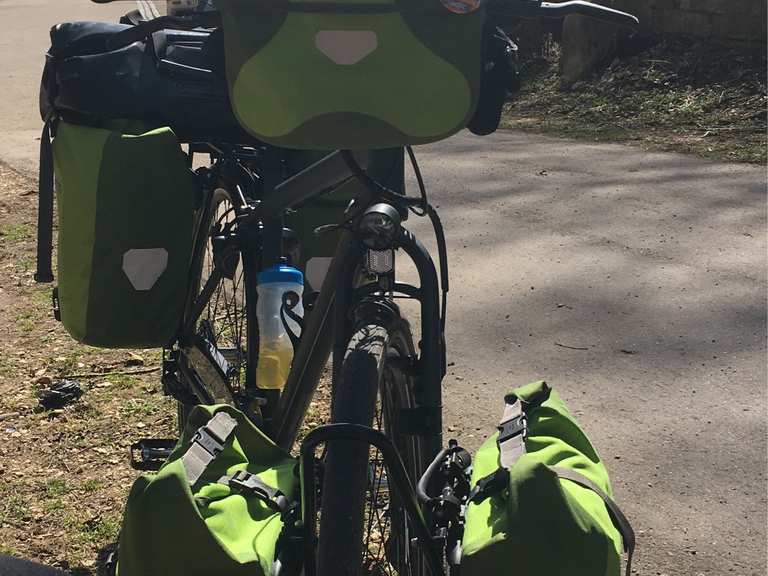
column 149, row 454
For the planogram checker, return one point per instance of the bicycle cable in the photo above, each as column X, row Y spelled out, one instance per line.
column 426, row 209
column 420, row 207
column 422, row 210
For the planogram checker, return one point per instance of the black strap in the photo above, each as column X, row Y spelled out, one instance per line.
column 44, row 273
column 490, row 485
column 617, row 516
column 513, row 430
column 247, row 483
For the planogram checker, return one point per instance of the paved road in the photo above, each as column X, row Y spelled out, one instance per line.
column 23, row 42
column 634, row 282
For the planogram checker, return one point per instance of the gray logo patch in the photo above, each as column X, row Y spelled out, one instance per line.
column 346, row 47
column 144, row 266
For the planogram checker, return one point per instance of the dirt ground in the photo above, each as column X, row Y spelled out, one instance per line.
column 64, row 474
column 669, row 94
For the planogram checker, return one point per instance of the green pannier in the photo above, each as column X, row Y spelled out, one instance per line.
column 126, row 201
column 356, row 74
column 541, row 502
column 216, row 507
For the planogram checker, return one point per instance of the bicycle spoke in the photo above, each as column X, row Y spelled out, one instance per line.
column 378, row 530
column 223, row 320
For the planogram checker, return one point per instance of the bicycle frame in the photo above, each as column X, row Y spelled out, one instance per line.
column 328, row 326
column 398, row 476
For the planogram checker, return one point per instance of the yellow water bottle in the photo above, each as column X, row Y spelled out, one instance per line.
column 275, row 346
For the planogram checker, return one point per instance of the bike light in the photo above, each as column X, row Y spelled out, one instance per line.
column 379, row 226
column 462, row 6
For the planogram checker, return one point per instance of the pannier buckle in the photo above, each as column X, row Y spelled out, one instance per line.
column 248, row 483
column 513, row 427
column 206, row 440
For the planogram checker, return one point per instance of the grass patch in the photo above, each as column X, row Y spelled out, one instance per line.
column 91, row 485
column 13, row 508
column 56, row 487
column 54, row 506
column 139, row 407
column 15, row 233
column 122, row 381
column 98, row 530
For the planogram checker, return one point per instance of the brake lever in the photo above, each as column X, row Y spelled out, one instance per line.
column 540, row 9
column 584, row 8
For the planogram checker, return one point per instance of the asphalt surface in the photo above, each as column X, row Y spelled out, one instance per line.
column 635, row 283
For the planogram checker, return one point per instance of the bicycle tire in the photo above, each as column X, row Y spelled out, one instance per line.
column 235, row 336
column 372, row 367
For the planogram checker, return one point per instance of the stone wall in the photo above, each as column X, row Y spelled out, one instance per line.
column 730, row 21
column 586, row 43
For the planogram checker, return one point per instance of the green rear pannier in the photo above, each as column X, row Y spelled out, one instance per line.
column 126, row 202
column 215, row 508
column 358, row 74
column 541, row 500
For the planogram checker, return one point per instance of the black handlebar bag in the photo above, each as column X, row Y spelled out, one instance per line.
column 173, row 78
column 353, row 74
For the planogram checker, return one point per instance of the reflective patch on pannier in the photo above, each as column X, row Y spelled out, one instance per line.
column 346, row 47
column 144, row 266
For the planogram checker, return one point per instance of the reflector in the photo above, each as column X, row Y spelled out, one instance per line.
column 462, row 6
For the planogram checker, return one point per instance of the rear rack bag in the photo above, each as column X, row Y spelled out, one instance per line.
column 173, row 78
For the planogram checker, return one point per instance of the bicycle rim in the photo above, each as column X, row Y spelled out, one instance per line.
column 219, row 355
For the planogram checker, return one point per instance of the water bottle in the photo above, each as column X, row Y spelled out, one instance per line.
column 276, row 285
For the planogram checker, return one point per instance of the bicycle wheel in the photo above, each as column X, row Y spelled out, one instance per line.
column 217, row 361
column 364, row 530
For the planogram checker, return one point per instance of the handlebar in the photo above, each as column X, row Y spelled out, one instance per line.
column 497, row 10
column 538, row 9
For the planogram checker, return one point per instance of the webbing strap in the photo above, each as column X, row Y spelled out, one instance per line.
column 44, row 271
column 206, row 445
column 512, row 432
column 247, row 483
column 617, row 516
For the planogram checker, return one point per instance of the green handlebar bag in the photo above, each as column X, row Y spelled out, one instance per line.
column 541, row 502
column 352, row 74
column 217, row 506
